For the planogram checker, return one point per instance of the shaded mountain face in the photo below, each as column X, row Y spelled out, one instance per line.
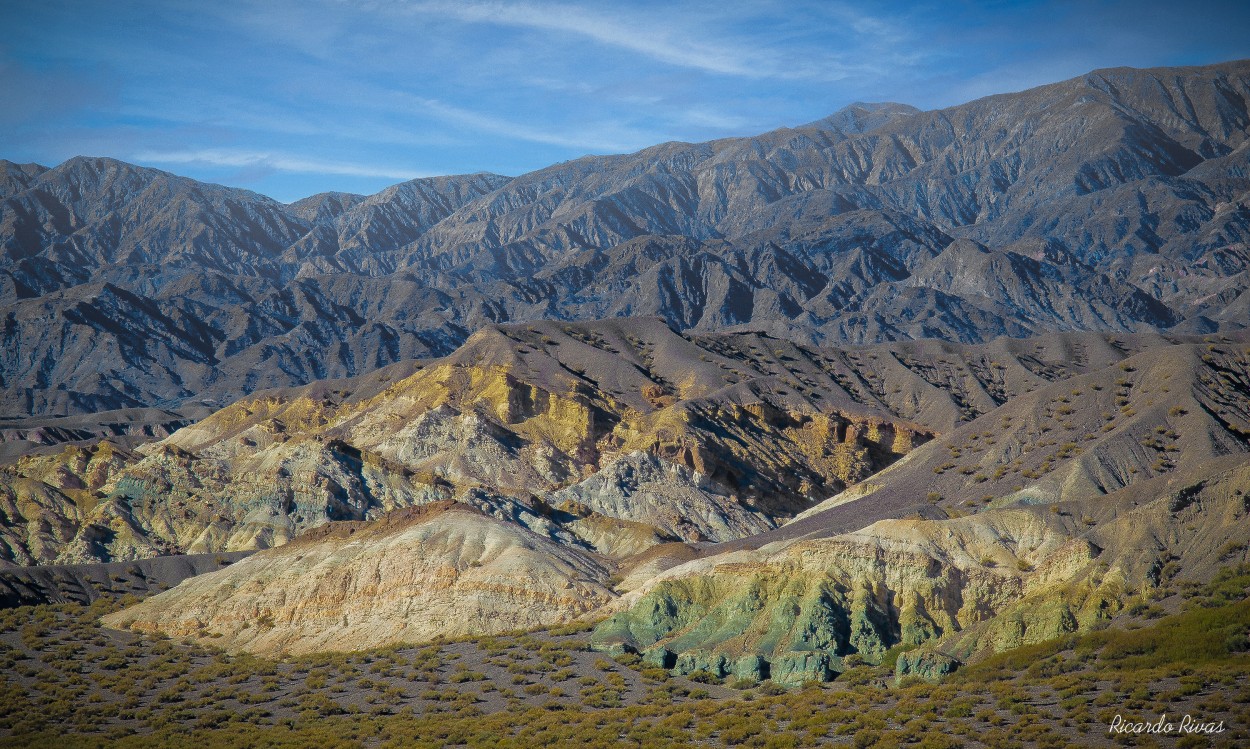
column 1114, row 202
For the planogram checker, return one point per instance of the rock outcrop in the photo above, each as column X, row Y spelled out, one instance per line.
column 796, row 613
column 1037, row 519
column 943, row 591
column 1113, row 464
column 672, row 498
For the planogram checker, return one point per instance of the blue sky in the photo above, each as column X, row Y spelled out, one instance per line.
column 291, row 98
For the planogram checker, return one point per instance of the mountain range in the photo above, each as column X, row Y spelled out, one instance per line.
column 1116, row 201
column 778, row 509
column 893, row 386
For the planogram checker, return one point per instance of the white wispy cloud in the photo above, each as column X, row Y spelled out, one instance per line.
column 617, row 30
column 224, row 157
column 717, row 38
column 601, row 137
column 707, row 117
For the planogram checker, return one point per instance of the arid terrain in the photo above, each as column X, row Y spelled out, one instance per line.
column 898, row 428
column 69, row 682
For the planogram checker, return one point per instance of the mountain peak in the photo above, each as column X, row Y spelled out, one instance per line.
column 861, row 117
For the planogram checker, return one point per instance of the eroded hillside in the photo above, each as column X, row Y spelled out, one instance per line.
column 613, row 436
column 1059, row 479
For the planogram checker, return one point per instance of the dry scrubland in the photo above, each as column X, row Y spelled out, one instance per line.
column 759, row 461
column 69, row 682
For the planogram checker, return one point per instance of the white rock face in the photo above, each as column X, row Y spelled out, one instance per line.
column 669, row 497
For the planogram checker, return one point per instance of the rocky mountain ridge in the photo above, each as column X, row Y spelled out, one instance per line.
column 624, row 434
column 1116, row 201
